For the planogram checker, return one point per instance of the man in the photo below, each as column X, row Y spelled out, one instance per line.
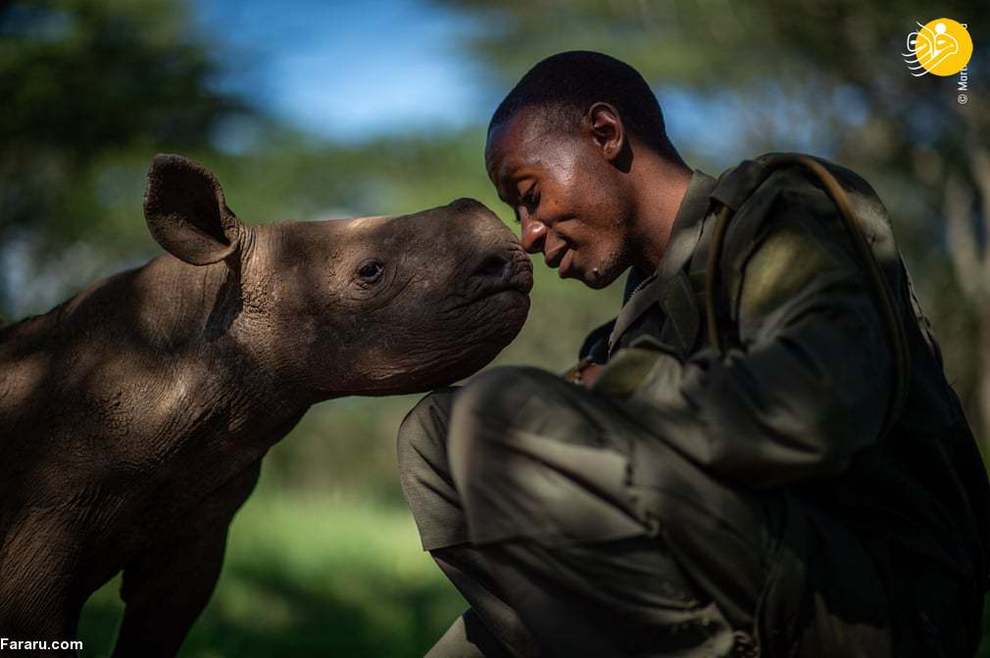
column 804, row 490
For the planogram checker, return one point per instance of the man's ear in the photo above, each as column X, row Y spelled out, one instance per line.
column 186, row 211
column 606, row 129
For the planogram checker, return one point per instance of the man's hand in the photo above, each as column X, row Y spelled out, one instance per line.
column 585, row 372
column 590, row 374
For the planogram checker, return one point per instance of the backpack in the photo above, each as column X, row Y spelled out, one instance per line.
column 699, row 301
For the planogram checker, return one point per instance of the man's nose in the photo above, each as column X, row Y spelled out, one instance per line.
column 533, row 236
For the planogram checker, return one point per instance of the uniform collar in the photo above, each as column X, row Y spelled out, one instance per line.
column 684, row 236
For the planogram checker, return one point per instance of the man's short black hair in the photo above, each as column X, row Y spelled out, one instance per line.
column 567, row 84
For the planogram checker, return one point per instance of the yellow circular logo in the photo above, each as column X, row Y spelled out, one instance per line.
column 941, row 47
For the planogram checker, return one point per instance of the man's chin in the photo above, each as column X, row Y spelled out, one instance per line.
column 597, row 279
column 602, row 276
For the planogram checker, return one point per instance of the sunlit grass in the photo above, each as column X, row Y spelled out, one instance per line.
column 308, row 576
column 311, row 576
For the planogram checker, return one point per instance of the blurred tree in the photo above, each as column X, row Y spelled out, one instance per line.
column 93, row 90
column 82, row 84
column 813, row 75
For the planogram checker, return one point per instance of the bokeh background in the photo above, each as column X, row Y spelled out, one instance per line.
column 315, row 108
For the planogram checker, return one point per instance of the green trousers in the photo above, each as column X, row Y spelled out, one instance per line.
column 573, row 531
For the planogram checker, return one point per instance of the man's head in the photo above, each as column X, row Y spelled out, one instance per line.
column 560, row 151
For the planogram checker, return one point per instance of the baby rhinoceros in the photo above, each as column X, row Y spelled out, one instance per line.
column 134, row 416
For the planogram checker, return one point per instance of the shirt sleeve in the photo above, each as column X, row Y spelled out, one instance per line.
column 809, row 384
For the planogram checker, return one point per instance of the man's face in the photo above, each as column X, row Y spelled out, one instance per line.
column 569, row 198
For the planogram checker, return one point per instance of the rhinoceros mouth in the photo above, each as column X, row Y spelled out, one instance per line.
column 521, row 279
column 488, row 293
column 519, row 283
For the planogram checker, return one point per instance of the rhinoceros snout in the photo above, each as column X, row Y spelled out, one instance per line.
column 495, row 267
column 508, row 268
column 467, row 203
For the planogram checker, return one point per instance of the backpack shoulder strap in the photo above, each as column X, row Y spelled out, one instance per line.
column 683, row 300
column 734, row 188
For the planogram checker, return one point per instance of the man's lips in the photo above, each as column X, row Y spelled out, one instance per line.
column 553, row 258
column 565, row 264
column 562, row 257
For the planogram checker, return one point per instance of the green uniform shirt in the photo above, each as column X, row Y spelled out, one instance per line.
column 800, row 398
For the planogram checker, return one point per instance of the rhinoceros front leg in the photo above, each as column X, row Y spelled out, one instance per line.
column 166, row 589
column 38, row 566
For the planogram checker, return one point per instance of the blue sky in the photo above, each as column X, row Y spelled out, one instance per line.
column 349, row 70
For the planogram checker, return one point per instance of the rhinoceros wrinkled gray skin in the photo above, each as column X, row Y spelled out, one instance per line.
column 134, row 416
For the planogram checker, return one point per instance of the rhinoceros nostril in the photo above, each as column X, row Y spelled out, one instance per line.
column 494, row 267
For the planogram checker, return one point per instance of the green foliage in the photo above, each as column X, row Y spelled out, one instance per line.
column 308, row 576
column 93, row 89
column 85, row 87
column 80, row 78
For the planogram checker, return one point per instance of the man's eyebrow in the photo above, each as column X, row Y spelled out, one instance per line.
column 505, row 182
column 504, row 185
column 508, row 177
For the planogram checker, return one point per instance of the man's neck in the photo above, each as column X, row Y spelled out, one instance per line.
column 660, row 185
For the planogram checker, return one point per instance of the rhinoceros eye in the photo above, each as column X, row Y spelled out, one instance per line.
column 370, row 271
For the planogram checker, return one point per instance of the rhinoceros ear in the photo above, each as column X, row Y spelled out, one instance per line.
column 186, row 211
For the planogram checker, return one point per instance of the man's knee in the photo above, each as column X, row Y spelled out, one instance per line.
column 424, row 472
column 496, row 396
column 487, row 410
column 519, row 476
column 422, row 437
